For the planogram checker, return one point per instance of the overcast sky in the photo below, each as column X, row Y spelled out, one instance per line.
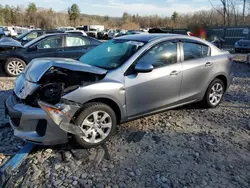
column 117, row 7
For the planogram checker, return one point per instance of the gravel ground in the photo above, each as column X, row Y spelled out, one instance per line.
column 185, row 147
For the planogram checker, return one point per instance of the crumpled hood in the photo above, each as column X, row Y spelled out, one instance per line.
column 37, row 67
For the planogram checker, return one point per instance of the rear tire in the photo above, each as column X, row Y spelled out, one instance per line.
column 100, row 128
column 14, row 66
column 214, row 93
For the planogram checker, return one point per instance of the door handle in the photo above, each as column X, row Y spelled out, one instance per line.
column 59, row 50
column 175, row 72
column 208, row 64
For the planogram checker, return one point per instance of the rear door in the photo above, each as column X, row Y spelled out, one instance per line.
column 51, row 46
column 76, row 46
column 197, row 69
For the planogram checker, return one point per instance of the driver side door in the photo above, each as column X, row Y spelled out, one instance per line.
column 158, row 89
column 48, row 47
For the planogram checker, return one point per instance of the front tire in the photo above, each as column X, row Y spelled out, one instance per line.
column 14, row 66
column 98, row 121
column 214, row 93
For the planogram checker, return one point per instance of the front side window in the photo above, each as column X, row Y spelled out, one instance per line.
column 111, row 54
column 161, row 55
column 52, row 42
column 76, row 41
column 194, row 51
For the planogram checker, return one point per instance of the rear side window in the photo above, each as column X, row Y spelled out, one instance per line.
column 76, row 41
column 194, row 51
column 161, row 55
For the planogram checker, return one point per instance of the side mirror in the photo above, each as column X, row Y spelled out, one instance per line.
column 25, row 39
column 143, row 67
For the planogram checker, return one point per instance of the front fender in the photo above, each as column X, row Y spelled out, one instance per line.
column 110, row 90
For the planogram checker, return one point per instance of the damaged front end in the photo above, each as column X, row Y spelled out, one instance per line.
column 48, row 81
column 45, row 81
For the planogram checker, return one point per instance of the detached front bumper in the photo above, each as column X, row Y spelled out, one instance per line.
column 33, row 124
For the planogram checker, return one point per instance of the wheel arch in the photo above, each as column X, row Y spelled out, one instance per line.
column 223, row 78
column 111, row 103
column 220, row 76
column 17, row 57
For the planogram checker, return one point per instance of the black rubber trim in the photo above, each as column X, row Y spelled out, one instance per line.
column 9, row 107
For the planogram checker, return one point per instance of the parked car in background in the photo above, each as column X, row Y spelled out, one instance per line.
column 91, row 27
column 113, row 33
column 69, row 28
column 156, row 30
column 33, row 34
column 79, row 32
column 92, row 33
column 65, row 45
column 103, row 34
column 121, row 33
column 2, row 33
column 129, row 32
column 216, row 40
column 91, row 30
column 120, row 80
column 243, row 45
column 10, row 31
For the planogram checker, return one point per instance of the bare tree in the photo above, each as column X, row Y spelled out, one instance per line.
column 244, row 9
column 223, row 12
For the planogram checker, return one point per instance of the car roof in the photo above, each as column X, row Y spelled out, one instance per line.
column 56, row 34
column 146, row 37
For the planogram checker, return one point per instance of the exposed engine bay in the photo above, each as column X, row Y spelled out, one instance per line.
column 57, row 82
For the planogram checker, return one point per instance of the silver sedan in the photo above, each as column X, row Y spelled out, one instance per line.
column 120, row 80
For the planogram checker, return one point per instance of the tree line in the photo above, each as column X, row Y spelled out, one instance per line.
column 230, row 13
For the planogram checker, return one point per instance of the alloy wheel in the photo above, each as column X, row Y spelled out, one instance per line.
column 96, row 127
column 15, row 67
column 216, row 94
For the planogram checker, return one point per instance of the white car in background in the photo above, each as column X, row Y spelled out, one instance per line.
column 77, row 32
column 113, row 33
column 10, row 31
column 69, row 28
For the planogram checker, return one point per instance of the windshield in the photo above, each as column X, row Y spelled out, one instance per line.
column 21, row 35
column 33, row 41
column 111, row 54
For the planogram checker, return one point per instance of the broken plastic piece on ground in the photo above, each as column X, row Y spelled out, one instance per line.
column 73, row 129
